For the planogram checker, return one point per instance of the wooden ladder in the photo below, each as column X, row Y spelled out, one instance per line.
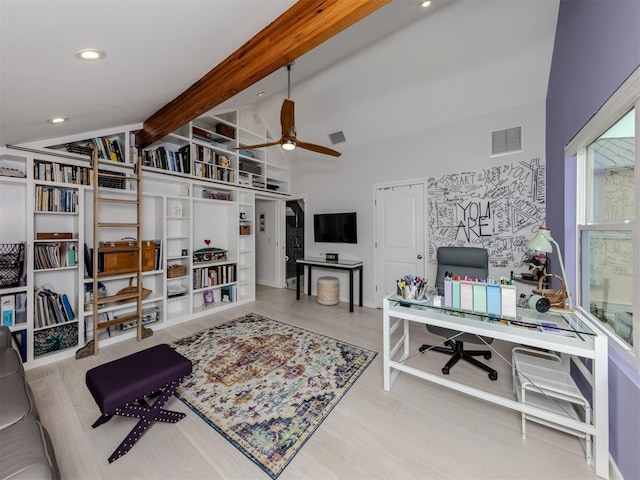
column 135, row 249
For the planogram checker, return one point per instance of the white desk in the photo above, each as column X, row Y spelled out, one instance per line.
column 588, row 342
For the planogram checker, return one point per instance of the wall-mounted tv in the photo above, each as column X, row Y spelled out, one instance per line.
column 335, row 227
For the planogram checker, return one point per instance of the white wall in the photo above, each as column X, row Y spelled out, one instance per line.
column 266, row 247
column 346, row 183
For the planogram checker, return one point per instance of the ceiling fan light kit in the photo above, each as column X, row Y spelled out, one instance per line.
column 288, row 140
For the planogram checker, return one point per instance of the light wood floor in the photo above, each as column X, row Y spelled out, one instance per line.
column 416, row 431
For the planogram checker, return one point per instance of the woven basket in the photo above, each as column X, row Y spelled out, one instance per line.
column 177, row 270
column 133, row 289
column 557, row 298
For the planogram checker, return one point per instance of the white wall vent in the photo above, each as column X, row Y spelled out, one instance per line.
column 337, row 137
column 506, row 141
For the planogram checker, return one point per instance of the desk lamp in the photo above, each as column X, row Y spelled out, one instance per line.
column 542, row 243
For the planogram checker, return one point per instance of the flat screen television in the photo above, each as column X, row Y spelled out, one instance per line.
column 335, row 227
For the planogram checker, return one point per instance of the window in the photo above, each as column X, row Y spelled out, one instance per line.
column 608, row 187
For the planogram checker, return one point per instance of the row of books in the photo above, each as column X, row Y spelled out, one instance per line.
column 55, row 255
column 52, row 309
column 53, row 199
column 206, row 170
column 212, row 276
column 207, row 155
column 13, row 309
column 61, row 173
column 174, row 161
column 108, row 148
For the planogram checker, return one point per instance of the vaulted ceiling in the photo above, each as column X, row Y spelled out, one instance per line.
column 379, row 78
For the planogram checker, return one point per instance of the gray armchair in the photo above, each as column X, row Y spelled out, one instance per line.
column 474, row 263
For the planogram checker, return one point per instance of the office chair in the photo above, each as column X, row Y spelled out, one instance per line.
column 474, row 263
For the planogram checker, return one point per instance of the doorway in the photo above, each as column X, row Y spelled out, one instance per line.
column 294, row 233
column 399, row 235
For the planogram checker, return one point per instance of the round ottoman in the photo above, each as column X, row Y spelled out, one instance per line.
column 328, row 290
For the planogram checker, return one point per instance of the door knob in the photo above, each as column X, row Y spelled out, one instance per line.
column 419, row 257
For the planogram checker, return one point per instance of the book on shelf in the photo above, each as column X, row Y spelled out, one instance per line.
column 8, row 310
column 88, row 261
column 20, row 338
column 50, row 309
column 21, row 308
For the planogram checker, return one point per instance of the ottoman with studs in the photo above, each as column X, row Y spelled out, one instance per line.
column 122, row 386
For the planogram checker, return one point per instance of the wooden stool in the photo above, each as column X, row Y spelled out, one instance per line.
column 120, row 387
column 328, row 290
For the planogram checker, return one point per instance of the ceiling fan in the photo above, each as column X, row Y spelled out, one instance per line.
column 288, row 141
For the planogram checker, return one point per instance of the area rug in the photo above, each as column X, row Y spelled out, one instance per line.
column 265, row 385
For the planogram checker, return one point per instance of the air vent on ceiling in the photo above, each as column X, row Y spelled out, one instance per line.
column 506, row 141
column 337, row 137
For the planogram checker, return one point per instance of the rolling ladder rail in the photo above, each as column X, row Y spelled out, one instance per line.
column 135, row 248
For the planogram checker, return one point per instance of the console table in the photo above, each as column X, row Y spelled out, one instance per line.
column 350, row 265
column 577, row 336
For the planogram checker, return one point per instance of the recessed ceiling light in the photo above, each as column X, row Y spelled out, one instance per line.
column 260, row 94
column 57, row 120
column 426, row 3
column 90, row 54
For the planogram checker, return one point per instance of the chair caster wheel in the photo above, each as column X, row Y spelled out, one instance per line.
column 487, row 355
column 445, row 370
column 493, row 376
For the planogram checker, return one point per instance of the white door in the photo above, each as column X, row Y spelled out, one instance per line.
column 399, row 243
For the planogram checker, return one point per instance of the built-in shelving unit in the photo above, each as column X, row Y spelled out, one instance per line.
column 205, row 191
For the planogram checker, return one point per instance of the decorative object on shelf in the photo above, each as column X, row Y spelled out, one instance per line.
column 245, row 229
column 133, row 289
column 209, row 254
column 11, row 263
column 11, row 172
column 537, row 262
column 544, row 242
column 175, row 271
column 223, row 161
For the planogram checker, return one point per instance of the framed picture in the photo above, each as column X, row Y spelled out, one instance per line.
column 207, row 297
column 262, row 223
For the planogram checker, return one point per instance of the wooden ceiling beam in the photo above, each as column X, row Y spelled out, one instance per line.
column 304, row 26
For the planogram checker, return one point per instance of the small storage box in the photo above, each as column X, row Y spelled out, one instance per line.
column 122, row 256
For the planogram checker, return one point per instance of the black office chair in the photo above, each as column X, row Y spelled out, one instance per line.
column 474, row 263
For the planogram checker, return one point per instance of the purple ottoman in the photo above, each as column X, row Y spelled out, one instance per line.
column 120, row 387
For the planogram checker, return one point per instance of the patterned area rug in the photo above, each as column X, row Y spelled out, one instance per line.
column 266, row 385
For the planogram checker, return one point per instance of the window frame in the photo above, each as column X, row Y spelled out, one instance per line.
column 620, row 103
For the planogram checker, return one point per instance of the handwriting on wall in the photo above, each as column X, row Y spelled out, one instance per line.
column 499, row 208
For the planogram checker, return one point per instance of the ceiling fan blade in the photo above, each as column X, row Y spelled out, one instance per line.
column 260, row 145
column 317, row 148
column 287, row 120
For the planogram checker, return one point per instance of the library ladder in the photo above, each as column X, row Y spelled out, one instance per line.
column 132, row 249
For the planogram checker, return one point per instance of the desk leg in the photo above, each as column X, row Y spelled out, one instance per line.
column 351, row 290
column 601, row 407
column 299, row 267
column 360, row 275
column 386, row 347
column 309, row 280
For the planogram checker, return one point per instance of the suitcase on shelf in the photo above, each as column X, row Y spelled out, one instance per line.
column 120, row 256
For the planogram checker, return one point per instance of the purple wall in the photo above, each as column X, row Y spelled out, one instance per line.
column 597, row 46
